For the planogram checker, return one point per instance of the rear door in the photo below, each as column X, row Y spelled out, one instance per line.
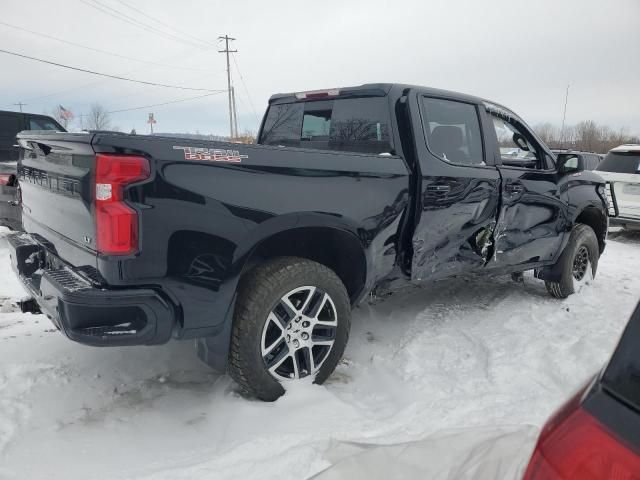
column 534, row 211
column 459, row 192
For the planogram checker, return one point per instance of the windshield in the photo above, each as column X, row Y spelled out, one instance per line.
column 44, row 124
column 620, row 162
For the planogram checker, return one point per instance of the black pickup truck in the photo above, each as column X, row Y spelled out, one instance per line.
column 260, row 251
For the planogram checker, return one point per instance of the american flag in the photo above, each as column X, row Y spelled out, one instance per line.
column 64, row 113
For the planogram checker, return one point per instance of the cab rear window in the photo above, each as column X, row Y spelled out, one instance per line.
column 620, row 162
column 350, row 125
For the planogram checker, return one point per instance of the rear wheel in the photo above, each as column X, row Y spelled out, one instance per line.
column 291, row 322
column 578, row 262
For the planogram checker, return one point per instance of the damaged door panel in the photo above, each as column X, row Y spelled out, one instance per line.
column 459, row 192
column 533, row 216
column 454, row 233
column 483, row 242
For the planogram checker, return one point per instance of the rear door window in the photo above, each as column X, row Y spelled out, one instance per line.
column 453, row 131
column 350, row 125
column 620, row 162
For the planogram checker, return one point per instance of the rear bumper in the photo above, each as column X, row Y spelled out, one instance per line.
column 83, row 312
column 10, row 211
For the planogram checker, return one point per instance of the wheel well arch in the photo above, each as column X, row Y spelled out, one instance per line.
column 339, row 250
column 594, row 218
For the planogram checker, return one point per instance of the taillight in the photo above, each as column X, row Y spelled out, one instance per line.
column 6, row 178
column 574, row 445
column 117, row 222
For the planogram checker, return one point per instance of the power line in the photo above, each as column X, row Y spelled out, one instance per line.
column 137, row 23
column 106, row 9
column 85, row 85
column 166, row 103
column 255, row 113
column 117, row 77
column 160, row 22
column 51, row 37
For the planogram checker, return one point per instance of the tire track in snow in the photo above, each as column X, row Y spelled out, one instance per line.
column 16, row 383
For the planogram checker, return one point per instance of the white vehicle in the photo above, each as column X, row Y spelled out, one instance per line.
column 621, row 169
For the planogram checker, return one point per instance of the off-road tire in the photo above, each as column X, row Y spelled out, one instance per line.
column 258, row 293
column 581, row 235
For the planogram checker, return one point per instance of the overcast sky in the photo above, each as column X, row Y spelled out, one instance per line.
column 519, row 53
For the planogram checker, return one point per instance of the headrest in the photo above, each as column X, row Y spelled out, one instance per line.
column 446, row 138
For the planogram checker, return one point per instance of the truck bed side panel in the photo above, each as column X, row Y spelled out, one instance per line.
column 201, row 219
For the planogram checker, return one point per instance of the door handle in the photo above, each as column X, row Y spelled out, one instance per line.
column 514, row 188
column 442, row 189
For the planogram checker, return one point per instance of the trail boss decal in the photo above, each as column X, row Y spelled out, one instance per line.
column 211, row 154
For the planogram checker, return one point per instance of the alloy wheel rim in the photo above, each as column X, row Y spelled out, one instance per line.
column 581, row 263
column 299, row 333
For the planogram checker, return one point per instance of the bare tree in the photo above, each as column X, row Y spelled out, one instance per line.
column 585, row 136
column 548, row 132
column 247, row 136
column 588, row 135
column 98, row 118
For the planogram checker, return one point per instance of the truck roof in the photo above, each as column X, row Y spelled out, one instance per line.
column 627, row 148
column 375, row 90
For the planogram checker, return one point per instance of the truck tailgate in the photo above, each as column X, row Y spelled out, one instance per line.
column 56, row 178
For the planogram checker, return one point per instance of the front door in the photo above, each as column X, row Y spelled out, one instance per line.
column 533, row 215
column 460, row 189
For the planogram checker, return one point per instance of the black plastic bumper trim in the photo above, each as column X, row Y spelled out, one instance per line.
column 85, row 313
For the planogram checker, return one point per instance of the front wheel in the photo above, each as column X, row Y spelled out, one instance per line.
column 291, row 322
column 578, row 262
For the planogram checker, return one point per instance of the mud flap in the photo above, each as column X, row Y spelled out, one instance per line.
column 552, row 273
column 213, row 350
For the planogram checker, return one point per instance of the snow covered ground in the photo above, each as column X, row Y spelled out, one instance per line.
column 432, row 377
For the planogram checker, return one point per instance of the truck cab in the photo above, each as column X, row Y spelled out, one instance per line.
column 486, row 194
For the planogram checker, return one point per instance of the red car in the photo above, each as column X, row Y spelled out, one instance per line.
column 596, row 435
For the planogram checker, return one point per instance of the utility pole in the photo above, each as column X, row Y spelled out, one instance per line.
column 20, row 104
column 235, row 112
column 82, row 115
column 226, row 50
column 151, row 121
column 564, row 115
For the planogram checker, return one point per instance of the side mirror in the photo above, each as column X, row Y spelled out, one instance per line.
column 569, row 163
